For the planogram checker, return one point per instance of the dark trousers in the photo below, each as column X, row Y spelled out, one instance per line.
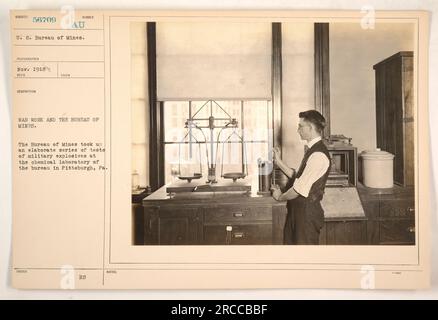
column 304, row 221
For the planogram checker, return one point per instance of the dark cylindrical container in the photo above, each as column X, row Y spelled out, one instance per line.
column 265, row 176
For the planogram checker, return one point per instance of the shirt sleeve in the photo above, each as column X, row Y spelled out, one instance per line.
column 316, row 166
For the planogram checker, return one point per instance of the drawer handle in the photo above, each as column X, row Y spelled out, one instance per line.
column 239, row 235
column 238, row 214
column 411, row 209
column 411, row 229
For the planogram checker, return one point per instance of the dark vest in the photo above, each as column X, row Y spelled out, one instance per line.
column 316, row 192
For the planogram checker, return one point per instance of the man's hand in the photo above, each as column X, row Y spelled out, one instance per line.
column 276, row 154
column 276, row 192
column 289, row 172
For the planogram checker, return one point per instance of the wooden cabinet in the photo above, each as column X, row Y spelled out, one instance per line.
column 395, row 113
column 248, row 220
column 390, row 220
column 172, row 225
column 397, row 221
column 391, row 215
column 239, row 225
column 206, row 219
column 227, row 225
column 138, row 215
column 238, row 234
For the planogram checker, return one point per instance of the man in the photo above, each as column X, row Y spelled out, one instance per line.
column 305, row 189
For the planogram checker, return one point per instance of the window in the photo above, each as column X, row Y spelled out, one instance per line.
column 191, row 149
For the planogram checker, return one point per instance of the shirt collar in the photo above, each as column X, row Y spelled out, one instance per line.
column 313, row 141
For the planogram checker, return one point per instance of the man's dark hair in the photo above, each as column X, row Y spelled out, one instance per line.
column 314, row 117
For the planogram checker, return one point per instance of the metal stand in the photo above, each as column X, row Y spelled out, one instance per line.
column 210, row 123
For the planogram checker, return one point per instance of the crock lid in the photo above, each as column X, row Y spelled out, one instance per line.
column 377, row 154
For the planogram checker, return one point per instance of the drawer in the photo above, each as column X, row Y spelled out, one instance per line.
column 397, row 232
column 176, row 212
column 237, row 214
column 397, row 208
column 260, row 234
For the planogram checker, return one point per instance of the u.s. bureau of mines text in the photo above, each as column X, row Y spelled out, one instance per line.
column 58, row 86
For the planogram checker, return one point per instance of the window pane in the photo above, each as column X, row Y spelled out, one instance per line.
column 175, row 117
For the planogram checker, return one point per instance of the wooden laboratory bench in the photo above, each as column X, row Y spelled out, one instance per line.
column 204, row 218
column 389, row 219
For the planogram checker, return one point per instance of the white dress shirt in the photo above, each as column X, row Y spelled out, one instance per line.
column 316, row 166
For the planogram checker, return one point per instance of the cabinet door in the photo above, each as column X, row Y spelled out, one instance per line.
column 397, row 222
column 380, row 107
column 398, row 208
column 408, row 121
column 175, row 226
column 394, row 116
column 397, row 232
column 392, row 110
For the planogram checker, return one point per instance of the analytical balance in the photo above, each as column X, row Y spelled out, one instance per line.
column 222, row 130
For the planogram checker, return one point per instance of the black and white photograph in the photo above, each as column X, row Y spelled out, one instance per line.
column 204, row 149
column 273, row 133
